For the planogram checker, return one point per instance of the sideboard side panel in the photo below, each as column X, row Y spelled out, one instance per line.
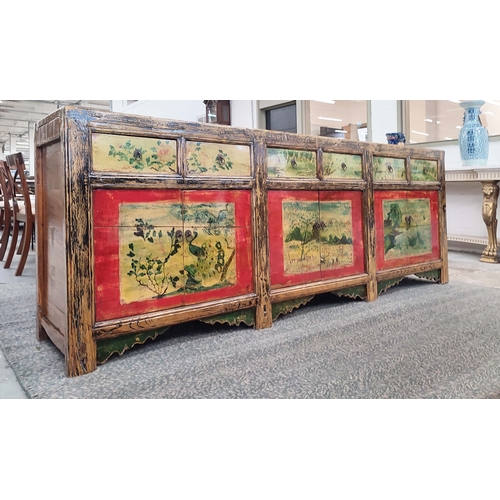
column 51, row 249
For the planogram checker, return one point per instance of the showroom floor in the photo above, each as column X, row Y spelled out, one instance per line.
column 464, row 267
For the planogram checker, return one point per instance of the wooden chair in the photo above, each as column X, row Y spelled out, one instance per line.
column 6, row 208
column 24, row 214
column 2, row 197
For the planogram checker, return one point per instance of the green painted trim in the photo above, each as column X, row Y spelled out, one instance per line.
column 288, row 306
column 383, row 286
column 355, row 292
column 106, row 348
column 430, row 275
column 235, row 318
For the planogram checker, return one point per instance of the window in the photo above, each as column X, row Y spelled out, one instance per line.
column 283, row 118
column 340, row 119
column 430, row 121
column 329, row 118
column 218, row 112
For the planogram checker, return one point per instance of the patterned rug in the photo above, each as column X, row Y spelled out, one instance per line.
column 419, row 340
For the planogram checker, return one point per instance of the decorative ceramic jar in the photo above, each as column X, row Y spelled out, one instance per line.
column 473, row 138
column 395, row 138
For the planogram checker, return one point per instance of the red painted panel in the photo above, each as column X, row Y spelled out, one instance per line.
column 106, row 208
column 326, row 270
column 433, row 254
column 358, row 266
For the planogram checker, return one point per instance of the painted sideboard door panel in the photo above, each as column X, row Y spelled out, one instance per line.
column 314, row 235
column 159, row 249
column 407, row 228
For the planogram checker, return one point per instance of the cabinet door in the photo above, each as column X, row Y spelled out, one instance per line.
column 159, row 249
column 407, row 228
column 315, row 236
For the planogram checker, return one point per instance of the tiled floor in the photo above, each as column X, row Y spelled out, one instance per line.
column 464, row 267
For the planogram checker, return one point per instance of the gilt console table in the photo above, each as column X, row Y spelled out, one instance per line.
column 144, row 223
column 489, row 177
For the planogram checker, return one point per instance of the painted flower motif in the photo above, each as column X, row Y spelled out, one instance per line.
column 220, row 159
column 164, row 152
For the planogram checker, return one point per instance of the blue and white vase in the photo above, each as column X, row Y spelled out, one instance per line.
column 473, row 138
column 395, row 138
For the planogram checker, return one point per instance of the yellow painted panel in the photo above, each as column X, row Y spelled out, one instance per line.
column 342, row 166
column 424, row 170
column 210, row 159
column 141, row 155
column 389, row 169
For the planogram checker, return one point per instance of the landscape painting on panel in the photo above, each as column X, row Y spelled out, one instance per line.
column 424, row 170
column 301, row 237
column 407, row 228
column 290, row 163
column 337, row 238
column 342, row 166
column 314, row 236
column 389, row 169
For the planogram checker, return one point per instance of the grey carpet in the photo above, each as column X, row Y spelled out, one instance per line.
column 418, row 340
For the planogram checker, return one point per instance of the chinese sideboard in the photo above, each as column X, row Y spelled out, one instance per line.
column 144, row 223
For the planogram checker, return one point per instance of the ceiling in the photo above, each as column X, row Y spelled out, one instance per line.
column 16, row 117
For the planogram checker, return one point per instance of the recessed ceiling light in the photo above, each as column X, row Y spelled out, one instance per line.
column 329, row 119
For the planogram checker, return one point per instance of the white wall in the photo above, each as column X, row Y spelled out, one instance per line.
column 383, row 119
column 174, row 110
column 464, row 202
column 244, row 114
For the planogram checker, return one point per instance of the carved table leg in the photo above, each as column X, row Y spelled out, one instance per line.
column 490, row 201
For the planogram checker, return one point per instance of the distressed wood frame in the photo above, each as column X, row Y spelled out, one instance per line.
column 65, row 256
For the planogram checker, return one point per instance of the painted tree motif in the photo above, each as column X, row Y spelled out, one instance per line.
column 205, row 241
column 407, row 229
column 151, row 271
column 304, row 225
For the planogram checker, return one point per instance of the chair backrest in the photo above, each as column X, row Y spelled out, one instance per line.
column 5, row 195
column 8, row 186
column 15, row 162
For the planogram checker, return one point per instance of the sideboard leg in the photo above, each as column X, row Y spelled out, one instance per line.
column 490, row 203
column 371, row 291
